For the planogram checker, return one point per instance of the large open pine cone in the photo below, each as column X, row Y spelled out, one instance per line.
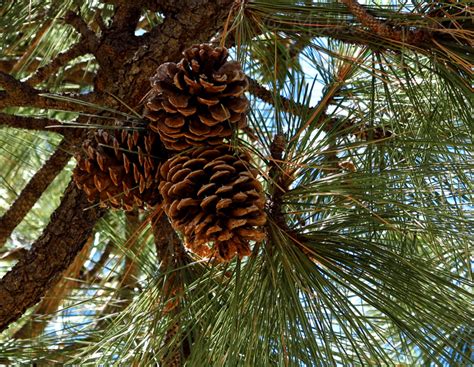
column 213, row 197
column 198, row 101
column 120, row 168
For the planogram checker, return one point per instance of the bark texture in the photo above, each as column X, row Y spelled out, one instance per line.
column 33, row 191
column 69, row 228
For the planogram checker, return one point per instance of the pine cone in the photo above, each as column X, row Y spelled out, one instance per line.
column 212, row 196
column 199, row 101
column 120, row 168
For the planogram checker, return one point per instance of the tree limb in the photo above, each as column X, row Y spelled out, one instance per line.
column 126, row 16
column 67, row 232
column 54, row 297
column 90, row 276
column 32, row 45
column 33, row 190
column 62, row 59
column 324, row 121
column 32, row 123
column 21, row 94
column 381, row 29
column 172, row 257
column 89, row 39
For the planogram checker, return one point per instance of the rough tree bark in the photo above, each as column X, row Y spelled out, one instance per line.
column 69, row 228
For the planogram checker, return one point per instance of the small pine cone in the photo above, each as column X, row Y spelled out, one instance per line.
column 120, row 168
column 212, row 196
column 199, row 101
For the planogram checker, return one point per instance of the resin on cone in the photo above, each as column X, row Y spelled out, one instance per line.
column 120, row 168
column 198, row 101
column 212, row 196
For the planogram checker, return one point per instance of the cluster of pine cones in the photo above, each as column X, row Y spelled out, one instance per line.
column 182, row 159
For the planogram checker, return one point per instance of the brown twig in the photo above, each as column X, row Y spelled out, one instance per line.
column 62, row 59
column 21, row 94
column 279, row 180
column 66, row 234
column 32, row 46
column 90, row 275
column 126, row 16
column 31, row 123
column 89, row 39
column 324, row 121
column 172, row 256
column 33, row 190
column 381, row 29
column 13, row 255
column 54, row 297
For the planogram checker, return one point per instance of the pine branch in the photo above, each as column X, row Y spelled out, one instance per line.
column 189, row 22
column 126, row 17
column 31, row 123
column 90, row 276
column 7, row 65
column 324, row 121
column 62, row 59
column 32, row 46
column 33, row 190
column 381, row 29
column 54, row 297
column 13, row 255
column 64, row 237
column 172, row 257
column 279, row 180
column 89, row 39
column 20, row 94
column 369, row 21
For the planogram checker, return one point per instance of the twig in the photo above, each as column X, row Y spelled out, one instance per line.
column 33, row 190
column 21, row 94
column 172, row 256
column 67, row 232
column 381, row 29
column 7, row 65
column 279, row 180
column 89, row 39
column 54, row 297
column 62, row 59
column 99, row 21
column 31, row 123
column 269, row 97
column 13, row 86
column 13, row 255
column 90, row 275
column 328, row 124
column 126, row 17
column 32, row 46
